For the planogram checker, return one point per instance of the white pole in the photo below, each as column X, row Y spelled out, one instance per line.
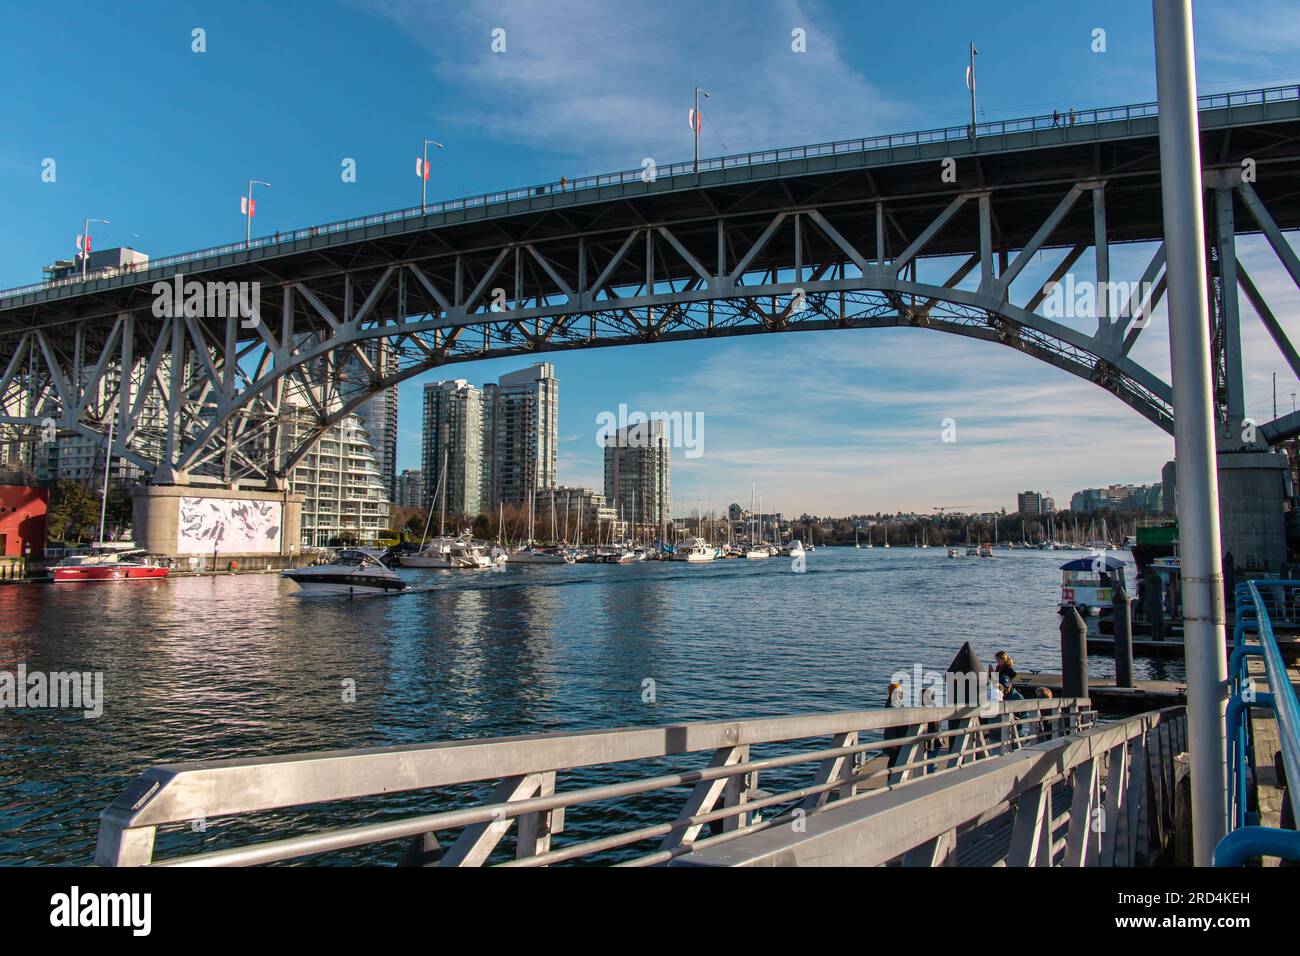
column 108, row 458
column 973, row 51
column 248, row 213
column 1194, row 448
column 696, row 123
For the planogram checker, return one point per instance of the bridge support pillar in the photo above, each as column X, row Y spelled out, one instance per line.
column 1252, row 490
column 209, row 528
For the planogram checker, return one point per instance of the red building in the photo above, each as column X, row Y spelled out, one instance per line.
column 22, row 520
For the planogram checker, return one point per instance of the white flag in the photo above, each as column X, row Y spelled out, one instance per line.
column 78, row 242
column 968, row 86
column 243, row 205
column 694, row 118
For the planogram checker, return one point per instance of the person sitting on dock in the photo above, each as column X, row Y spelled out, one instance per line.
column 1007, row 676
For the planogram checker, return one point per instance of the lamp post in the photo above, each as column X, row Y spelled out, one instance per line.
column 424, row 172
column 85, row 244
column 248, row 210
column 1194, row 422
column 696, row 123
column 970, row 83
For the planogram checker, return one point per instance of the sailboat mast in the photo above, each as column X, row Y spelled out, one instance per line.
column 108, row 460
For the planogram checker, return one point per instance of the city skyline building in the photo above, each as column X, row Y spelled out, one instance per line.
column 520, row 434
column 453, row 433
column 637, row 473
column 410, row 489
column 342, row 487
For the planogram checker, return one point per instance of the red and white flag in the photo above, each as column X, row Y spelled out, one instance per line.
column 247, row 207
column 421, row 168
column 694, row 116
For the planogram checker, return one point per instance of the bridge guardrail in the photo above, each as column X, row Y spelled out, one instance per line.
column 866, row 748
column 1074, row 118
column 1260, row 605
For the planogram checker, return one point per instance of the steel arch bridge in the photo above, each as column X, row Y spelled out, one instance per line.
column 831, row 236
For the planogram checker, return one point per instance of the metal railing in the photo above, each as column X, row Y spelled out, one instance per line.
column 609, row 791
column 885, row 141
column 1260, row 605
column 1101, row 797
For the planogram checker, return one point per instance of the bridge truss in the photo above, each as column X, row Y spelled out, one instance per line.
column 857, row 241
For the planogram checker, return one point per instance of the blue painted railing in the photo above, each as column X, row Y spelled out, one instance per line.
column 1261, row 605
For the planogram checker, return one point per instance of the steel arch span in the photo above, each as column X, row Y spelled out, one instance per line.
column 198, row 390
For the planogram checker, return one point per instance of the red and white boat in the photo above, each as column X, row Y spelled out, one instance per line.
column 116, row 566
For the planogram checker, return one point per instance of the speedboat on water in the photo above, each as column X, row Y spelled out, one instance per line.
column 352, row 573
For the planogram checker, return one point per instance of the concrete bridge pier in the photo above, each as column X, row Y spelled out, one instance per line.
column 206, row 528
column 1252, row 490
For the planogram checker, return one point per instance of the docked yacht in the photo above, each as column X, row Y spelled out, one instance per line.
column 534, row 555
column 448, row 554
column 110, row 566
column 695, row 551
column 352, row 573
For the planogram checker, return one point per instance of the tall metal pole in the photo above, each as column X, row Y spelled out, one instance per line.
column 1194, row 448
column 108, row 460
column 86, row 246
column 248, row 212
column 971, row 84
column 424, row 173
column 696, row 123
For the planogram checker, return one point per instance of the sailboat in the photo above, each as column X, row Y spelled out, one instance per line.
column 856, row 543
column 109, row 565
column 757, row 551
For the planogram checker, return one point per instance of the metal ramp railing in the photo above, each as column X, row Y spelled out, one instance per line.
column 608, row 792
column 1101, row 797
column 1261, row 605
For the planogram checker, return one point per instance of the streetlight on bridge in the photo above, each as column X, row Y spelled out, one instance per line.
column 422, row 170
column 248, row 208
column 696, row 123
column 83, row 244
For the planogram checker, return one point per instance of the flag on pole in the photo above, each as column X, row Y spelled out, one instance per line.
column 80, row 239
column 247, row 207
column 968, row 78
column 421, row 168
column 694, row 117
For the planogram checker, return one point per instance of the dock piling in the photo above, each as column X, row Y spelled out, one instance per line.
column 1123, row 606
column 1074, row 654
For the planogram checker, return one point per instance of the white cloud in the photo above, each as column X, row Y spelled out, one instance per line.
column 579, row 79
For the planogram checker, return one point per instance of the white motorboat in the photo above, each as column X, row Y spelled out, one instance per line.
column 435, row 554
column 532, row 555
column 352, row 573
column 694, row 551
column 446, row 553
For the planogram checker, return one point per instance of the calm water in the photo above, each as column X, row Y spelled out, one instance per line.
column 238, row 666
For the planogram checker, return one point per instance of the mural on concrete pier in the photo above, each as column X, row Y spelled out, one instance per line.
column 228, row 525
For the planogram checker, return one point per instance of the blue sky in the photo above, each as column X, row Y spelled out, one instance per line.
column 161, row 141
